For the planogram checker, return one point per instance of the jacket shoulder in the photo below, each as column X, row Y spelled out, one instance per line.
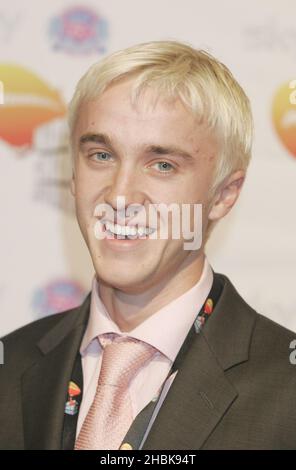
column 34, row 329
column 268, row 343
column 264, row 326
column 21, row 345
column 274, row 341
column 273, row 327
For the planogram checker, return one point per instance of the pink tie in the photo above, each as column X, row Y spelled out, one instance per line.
column 110, row 414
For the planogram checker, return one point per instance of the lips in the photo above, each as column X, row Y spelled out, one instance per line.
column 116, row 225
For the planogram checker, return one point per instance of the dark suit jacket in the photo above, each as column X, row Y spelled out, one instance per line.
column 235, row 389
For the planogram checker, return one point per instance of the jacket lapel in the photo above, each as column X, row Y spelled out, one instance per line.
column 45, row 383
column 196, row 401
column 201, row 392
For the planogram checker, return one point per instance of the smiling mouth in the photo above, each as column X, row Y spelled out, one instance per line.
column 126, row 232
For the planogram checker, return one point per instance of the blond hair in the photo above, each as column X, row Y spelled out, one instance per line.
column 200, row 81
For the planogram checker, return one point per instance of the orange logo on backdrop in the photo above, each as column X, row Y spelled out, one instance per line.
column 284, row 115
column 28, row 102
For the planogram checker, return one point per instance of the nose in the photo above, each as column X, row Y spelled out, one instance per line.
column 125, row 182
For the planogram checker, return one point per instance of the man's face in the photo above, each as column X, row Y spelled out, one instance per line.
column 150, row 154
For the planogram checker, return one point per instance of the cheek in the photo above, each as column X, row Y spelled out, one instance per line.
column 193, row 187
column 86, row 188
column 198, row 189
column 84, row 205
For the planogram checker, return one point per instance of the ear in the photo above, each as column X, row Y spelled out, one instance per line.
column 72, row 184
column 227, row 195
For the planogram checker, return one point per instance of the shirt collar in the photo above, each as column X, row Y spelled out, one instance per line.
column 166, row 329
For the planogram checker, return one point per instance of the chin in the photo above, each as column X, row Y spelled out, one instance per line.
column 122, row 281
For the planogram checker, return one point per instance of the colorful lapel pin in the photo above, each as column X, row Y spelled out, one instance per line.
column 71, row 407
column 203, row 314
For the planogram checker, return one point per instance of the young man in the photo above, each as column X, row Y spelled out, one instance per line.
column 164, row 353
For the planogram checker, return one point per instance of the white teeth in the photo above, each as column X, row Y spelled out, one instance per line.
column 126, row 230
column 141, row 231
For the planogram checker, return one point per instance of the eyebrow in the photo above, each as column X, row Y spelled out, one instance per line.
column 170, row 150
column 148, row 148
column 96, row 138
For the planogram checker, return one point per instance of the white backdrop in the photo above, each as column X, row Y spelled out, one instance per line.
column 44, row 49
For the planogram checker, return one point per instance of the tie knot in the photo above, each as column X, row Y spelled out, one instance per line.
column 123, row 356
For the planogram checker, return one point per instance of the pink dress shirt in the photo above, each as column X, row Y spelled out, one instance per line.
column 166, row 330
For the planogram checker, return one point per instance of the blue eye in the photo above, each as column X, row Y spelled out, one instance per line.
column 104, row 156
column 165, row 167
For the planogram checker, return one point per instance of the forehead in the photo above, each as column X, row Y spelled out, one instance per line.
column 151, row 116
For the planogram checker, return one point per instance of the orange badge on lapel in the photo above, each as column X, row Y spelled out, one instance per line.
column 71, row 407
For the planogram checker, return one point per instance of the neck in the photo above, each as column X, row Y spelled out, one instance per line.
column 130, row 310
